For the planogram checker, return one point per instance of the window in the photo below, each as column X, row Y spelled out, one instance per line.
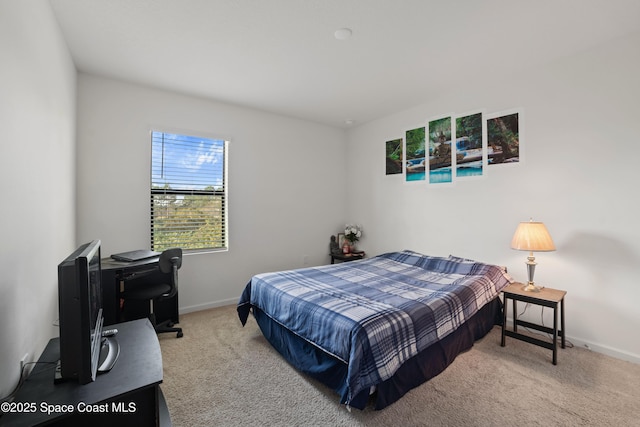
column 188, row 192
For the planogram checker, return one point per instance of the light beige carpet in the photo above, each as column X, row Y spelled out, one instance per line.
column 221, row 374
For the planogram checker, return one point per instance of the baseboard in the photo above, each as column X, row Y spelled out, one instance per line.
column 609, row 351
column 589, row 345
column 214, row 304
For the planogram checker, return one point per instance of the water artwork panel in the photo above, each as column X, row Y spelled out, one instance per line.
column 415, row 152
column 470, row 145
column 440, row 154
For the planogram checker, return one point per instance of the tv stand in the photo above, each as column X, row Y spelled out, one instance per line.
column 128, row 394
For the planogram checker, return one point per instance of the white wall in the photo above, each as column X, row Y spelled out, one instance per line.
column 285, row 179
column 579, row 176
column 37, row 172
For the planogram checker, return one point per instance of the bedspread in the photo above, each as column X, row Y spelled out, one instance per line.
column 376, row 313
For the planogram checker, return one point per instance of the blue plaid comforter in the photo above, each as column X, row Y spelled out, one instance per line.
column 376, row 313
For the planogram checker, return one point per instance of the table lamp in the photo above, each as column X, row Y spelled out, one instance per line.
column 532, row 236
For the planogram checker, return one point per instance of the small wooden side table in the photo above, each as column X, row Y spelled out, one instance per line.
column 547, row 297
column 354, row 256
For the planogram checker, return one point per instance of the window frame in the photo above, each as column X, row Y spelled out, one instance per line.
column 222, row 193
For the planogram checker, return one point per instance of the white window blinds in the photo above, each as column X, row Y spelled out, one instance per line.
column 188, row 192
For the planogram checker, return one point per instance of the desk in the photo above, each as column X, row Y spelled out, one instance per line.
column 114, row 275
column 128, row 395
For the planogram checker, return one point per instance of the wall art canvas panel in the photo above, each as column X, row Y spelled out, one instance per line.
column 394, row 157
column 441, row 159
column 504, row 133
column 415, row 154
column 471, row 143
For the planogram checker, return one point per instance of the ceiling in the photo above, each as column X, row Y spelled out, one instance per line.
column 281, row 56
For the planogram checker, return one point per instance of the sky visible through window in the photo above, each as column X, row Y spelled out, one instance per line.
column 186, row 162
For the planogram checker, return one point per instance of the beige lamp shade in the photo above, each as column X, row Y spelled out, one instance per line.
column 532, row 236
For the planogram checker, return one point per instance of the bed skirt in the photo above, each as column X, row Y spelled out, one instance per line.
column 332, row 372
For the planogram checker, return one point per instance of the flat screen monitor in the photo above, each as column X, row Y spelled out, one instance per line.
column 80, row 313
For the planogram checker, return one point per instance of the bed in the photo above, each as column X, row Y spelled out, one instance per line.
column 374, row 329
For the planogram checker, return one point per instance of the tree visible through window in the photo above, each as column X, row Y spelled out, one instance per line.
column 188, row 192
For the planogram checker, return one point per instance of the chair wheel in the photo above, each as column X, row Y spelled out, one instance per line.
column 179, row 334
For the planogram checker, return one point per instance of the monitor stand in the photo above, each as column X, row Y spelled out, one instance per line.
column 109, row 352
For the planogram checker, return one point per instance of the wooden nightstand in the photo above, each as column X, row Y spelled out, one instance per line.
column 547, row 297
column 354, row 256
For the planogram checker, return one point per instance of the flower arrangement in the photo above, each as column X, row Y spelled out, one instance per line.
column 352, row 233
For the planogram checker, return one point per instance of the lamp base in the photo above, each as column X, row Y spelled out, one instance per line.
column 530, row 287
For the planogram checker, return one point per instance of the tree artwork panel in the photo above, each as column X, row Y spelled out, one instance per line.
column 503, row 139
column 440, row 156
column 394, row 157
column 415, row 152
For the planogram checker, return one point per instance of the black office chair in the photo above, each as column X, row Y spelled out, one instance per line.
column 159, row 285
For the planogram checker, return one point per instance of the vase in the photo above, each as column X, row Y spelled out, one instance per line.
column 346, row 248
